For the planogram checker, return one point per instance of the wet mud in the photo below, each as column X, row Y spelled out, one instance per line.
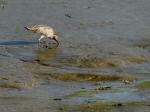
column 101, row 65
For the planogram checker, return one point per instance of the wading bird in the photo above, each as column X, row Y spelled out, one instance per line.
column 45, row 31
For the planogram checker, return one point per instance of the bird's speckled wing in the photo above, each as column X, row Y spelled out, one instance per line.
column 42, row 29
column 46, row 30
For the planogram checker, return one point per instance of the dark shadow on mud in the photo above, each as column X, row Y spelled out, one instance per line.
column 18, row 42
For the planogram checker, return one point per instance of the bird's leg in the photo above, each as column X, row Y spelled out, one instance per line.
column 42, row 36
column 47, row 44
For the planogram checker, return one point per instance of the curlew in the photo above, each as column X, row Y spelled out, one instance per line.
column 45, row 31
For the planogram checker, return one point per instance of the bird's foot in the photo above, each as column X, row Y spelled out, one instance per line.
column 43, row 44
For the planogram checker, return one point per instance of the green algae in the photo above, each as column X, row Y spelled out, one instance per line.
column 97, row 62
column 92, row 77
column 113, row 61
column 136, row 59
column 12, row 85
column 17, row 85
column 145, row 84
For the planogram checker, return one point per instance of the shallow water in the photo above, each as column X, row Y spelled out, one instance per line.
column 100, row 65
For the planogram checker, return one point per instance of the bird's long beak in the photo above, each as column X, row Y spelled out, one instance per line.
column 56, row 41
column 26, row 28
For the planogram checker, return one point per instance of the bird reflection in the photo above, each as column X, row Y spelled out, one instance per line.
column 45, row 56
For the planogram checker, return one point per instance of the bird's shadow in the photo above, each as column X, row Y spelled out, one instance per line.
column 39, row 54
column 31, row 42
column 18, row 42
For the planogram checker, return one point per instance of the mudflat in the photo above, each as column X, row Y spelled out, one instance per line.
column 101, row 65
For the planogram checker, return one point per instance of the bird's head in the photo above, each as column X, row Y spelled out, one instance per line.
column 55, row 37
